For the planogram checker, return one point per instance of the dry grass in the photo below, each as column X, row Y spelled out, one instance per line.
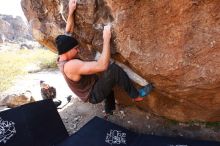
column 13, row 64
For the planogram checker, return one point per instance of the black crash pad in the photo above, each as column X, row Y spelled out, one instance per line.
column 39, row 124
column 34, row 124
column 99, row 132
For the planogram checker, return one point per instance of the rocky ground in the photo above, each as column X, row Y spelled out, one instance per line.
column 76, row 113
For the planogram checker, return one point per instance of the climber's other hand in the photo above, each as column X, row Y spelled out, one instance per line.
column 72, row 6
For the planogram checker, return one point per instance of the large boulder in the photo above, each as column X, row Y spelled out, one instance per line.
column 173, row 44
column 14, row 100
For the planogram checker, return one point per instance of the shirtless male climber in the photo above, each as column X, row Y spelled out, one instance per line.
column 81, row 75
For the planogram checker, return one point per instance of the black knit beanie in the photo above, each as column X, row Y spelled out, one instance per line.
column 65, row 43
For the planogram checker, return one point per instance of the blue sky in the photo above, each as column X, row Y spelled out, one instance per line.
column 11, row 7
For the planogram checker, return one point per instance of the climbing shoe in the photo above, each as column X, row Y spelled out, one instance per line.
column 138, row 99
column 144, row 91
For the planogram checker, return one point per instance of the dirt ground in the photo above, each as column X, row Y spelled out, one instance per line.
column 76, row 113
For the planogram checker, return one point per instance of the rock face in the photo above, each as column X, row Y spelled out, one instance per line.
column 14, row 100
column 173, row 44
column 13, row 29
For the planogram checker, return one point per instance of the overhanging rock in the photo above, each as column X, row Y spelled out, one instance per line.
column 174, row 44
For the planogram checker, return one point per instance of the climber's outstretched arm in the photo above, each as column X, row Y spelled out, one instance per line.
column 70, row 19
